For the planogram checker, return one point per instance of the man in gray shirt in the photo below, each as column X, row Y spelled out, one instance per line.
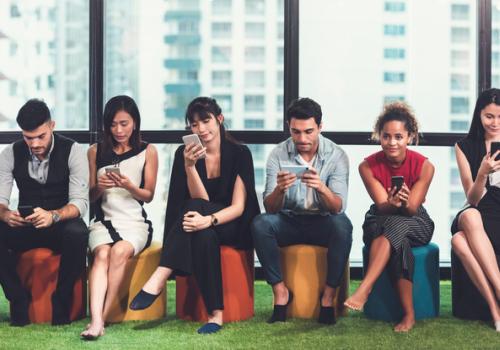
column 51, row 173
column 305, row 210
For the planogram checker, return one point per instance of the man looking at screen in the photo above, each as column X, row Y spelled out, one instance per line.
column 51, row 173
column 305, row 210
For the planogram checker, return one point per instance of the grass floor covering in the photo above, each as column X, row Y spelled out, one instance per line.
column 351, row 332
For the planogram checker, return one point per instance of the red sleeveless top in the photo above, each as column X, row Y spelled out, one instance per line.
column 383, row 171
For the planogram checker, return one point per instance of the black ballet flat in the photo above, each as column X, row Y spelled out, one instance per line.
column 143, row 300
column 279, row 311
column 326, row 313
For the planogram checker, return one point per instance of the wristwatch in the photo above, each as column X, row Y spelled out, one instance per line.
column 55, row 217
column 214, row 220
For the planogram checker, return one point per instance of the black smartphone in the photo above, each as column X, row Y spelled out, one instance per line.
column 397, row 181
column 25, row 210
column 495, row 146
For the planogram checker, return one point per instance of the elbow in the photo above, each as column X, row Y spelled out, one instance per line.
column 149, row 198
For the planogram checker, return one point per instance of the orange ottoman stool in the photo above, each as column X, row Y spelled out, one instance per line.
column 137, row 272
column 304, row 272
column 38, row 270
column 237, row 286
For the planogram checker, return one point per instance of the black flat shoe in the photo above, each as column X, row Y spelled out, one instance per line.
column 143, row 300
column 279, row 311
column 326, row 313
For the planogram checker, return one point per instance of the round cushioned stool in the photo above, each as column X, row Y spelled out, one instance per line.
column 304, row 272
column 38, row 270
column 237, row 287
column 466, row 301
column 137, row 272
column 383, row 302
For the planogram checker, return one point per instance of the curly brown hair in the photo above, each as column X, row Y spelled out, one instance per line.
column 399, row 111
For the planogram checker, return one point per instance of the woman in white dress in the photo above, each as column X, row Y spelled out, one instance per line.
column 123, row 172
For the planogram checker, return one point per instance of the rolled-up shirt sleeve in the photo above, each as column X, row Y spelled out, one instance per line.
column 6, row 176
column 338, row 180
column 78, row 191
column 272, row 169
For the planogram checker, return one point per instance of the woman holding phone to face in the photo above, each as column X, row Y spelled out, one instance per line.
column 476, row 228
column 211, row 202
column 396, row 221
column 123, row 173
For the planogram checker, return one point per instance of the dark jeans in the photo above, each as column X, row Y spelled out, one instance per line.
column 271, row 231
column 69, row 238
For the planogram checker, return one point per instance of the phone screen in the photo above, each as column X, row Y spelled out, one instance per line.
column 25, row 210
column 397, row 181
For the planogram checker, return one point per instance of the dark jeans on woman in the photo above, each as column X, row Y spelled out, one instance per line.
column 198, row 253
column 271, row 231
column 69, row 238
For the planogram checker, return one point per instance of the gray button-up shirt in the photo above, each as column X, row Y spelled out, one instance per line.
column 78, row 190
column 331, row 163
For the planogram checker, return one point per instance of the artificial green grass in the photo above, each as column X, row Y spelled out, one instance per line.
column 351, row 332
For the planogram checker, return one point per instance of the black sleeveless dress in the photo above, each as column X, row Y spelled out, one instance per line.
column 489, row 205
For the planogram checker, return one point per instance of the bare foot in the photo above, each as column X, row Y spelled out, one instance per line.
column 93, row 331
column 406, row 324
column 357, row 300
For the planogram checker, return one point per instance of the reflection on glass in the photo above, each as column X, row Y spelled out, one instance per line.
column 44, row 52
column 166, row 52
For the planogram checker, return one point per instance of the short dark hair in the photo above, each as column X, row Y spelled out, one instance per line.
column 112, row 107
column 304, row 108
column 33, row 114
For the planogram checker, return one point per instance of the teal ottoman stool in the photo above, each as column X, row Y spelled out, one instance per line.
column 383, row 302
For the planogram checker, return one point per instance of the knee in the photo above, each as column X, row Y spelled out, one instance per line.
column 120, row 254
column 194, row 204
column 261, row 225
column 101, row 255
column 470, row 216
column 341, row 228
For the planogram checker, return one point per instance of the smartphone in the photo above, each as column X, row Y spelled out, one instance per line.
column 192, row 138
column 397, row 181
column 495, row 146
column 25, row 210
column 112, row 169
column 298, row 170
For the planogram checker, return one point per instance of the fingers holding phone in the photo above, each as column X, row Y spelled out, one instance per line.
column 15, row 219
column 285, row 180
column 104, row 181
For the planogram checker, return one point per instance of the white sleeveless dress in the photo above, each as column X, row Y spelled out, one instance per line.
column 118, row 215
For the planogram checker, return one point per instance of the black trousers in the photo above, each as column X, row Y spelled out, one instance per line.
column 198, row 253
column 69, row 238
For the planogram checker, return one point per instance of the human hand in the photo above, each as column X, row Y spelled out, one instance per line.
column 192, row 152
column 120, row 180
column 489, row 164
column 312, row 180
column 393, row 198
column 14, row 219
column 404, row 195
column 194, row 221
column 285, row 180
column 41, row 218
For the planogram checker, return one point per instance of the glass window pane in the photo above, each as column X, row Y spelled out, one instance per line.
column 397, row 61
column 164, row 53
column 44, row 53
column 495, row 50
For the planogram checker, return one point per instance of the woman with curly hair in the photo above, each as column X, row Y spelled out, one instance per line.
column 396, row 221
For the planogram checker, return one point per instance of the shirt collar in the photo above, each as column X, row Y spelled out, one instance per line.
column 33, row 157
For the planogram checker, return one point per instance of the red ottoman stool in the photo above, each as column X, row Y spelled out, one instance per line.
column 237, row 285
column 38, row 269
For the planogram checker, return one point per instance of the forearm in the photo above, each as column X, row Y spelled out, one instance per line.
column 273, row 203
column 330, row 200
column 3, row 210
column 475, row 193
column 69, row 211
column 387, row 208
column 142, row 194
column 228, row 214
column 195, row 185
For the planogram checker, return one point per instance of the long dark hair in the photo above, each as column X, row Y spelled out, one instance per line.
column 113, row 106
column 476, row 130
column 204, row 108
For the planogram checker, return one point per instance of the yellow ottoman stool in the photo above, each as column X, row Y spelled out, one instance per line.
column 137, row 272
column 304, row 272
